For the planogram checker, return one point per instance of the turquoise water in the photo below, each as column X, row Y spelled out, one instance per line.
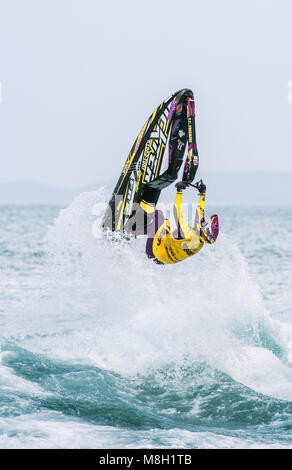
column 102, row 348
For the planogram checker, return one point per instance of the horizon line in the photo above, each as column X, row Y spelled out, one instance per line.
column 104, row 181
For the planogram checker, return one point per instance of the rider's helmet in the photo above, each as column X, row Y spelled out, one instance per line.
column 208, row 235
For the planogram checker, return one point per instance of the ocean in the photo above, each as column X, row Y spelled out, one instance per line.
column 101, row 348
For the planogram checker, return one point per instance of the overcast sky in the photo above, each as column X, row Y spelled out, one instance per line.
column 80, row 77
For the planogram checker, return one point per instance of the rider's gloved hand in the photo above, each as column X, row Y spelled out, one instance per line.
column 203, row 222
column 201, row 187
column 180, row 186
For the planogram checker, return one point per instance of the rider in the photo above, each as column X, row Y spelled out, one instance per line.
column 166, row 247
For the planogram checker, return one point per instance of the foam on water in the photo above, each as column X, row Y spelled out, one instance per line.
column 105, row 306
column 50, row 430
column 114, row 307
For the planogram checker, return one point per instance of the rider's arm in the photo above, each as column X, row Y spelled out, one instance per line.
column 181, row 224
column 200, row 214
column 200, row 211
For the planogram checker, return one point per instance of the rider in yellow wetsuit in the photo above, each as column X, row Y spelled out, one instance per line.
column 166, row 247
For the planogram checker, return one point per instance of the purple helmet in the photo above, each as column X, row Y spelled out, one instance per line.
column 214, row 226
column 210, row 236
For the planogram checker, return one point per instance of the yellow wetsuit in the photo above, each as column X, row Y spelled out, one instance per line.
column 170, row 249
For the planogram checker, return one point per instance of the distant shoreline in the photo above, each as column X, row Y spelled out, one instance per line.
column 223, row 188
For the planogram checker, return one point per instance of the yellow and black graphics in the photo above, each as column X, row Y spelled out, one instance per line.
column 148, row 165
column 167, row 248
